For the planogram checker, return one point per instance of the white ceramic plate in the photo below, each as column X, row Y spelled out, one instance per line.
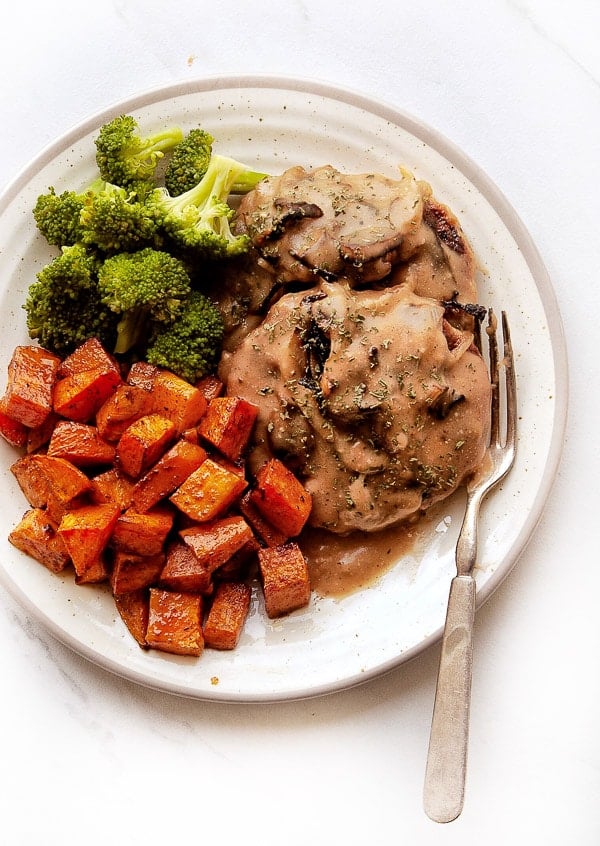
column 272, row 124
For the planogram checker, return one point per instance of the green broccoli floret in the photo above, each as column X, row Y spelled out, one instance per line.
column 190, row 160
column 146, row 290
column 57, row 217
column 126, row 158
column 191, row 346
column 115, row 220
column 199, row 218
column 64, row 306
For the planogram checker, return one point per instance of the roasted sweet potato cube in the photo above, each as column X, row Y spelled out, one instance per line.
column 183, row 570
column 143, row 443
column 281, row 498
column 214, row 543
column 133, row 610
column 228, row 424
column 113, row 486
column 85, row 379
column 285, row 578
column 90, row 355
column 238, row 567
column 39, row 436
column 170, row 471
column 86, row 532
column 36, row 535
column 96, row 572
column 29, row 473
column 210, row 386
column 66, row 483
column 125, row 405
column 208, row 491
column 175, row 622
column 54, row 483
column 80, row 443
column 131, row 572
column 266, row 531
column 176, row 399
column 80, row 395
column 144, row 534
column 142, row 374
column 227, row 615
column 31, row 377
column 12, row 431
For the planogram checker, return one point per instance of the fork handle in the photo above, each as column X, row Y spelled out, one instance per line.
column 445, row 774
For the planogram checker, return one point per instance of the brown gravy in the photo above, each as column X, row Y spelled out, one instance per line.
column 339, row 565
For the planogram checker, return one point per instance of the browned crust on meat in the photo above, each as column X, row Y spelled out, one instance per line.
column 445, row 226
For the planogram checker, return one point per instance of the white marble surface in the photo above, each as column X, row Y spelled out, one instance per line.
column 90, row 758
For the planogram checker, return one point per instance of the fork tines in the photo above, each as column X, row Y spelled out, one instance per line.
column 502, row 368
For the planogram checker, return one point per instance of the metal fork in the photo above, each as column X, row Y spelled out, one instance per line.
column 443, row 794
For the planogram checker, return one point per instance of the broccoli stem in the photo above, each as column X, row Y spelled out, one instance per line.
column 215, row 185
column 130, row 329
column 162, row 141
column 247, row 181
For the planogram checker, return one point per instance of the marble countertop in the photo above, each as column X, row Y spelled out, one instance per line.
column 88, row 757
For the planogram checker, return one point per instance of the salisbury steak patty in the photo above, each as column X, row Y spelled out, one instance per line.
column 327, row 223
column 372, row 397
column 367, row 229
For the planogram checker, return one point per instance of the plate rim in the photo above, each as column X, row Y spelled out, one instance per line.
column 515, row 226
